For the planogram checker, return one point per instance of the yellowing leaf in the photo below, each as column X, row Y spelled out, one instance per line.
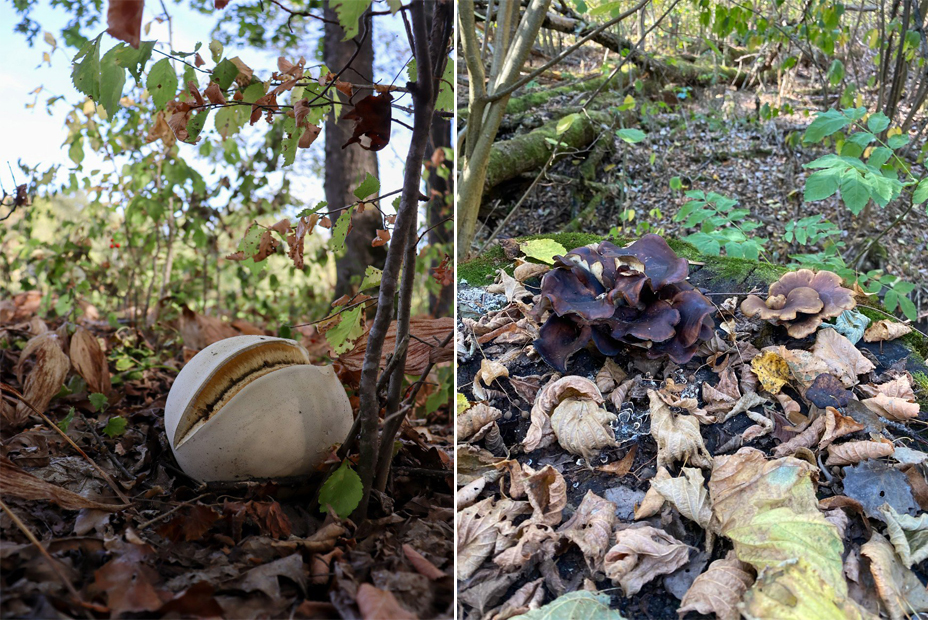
column 543, row 249
column 772, row 370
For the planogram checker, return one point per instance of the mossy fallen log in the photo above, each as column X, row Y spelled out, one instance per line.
column 510, row 158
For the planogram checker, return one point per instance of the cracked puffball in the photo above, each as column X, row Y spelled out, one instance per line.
column 254, row 407
column 801, row 300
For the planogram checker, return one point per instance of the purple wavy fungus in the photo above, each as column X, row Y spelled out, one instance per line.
column 616, row 297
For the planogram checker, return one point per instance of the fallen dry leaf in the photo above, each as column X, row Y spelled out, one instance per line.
column 609, row 376
column 623, row 465
column 677, row 436
column 541, row 434
column 885, row 330
column 490, row 370
column 475, row 418
column 837, row 425
column 772, row 370
column 640, row 555
column 719, row 589
column 46, row 377
column 804, row 367
column 509, row 286
column 129, row 583
column 899, row 588
column 528, row 597
column 853, row 452
column 590, row 528
column 527, row 271
column 18, row 483
column 476, row 537
column 376, row 604
column 547, row 493
column 421, row 563
column 688, row 495
column 806, row 439
column 844, row 360
column 582, row 427
column 534, row 541
column 900, row 387
column 653, row 501
column 89, row 360
column 896, row 409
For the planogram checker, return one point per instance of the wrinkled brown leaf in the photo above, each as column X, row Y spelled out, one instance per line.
column 89, row 360
column 640, row 555
column 677, row 435
column 590, row 528
column 896, row 409
column 719, row 589
column 885, row 330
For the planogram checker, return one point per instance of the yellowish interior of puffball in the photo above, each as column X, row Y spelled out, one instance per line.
column 230, row 378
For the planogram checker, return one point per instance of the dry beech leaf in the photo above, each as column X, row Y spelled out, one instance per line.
column 609, row 376
column 476, row 538
column 688, row 494
column 18, row 483
column 618, row 395
column 582, row 427
column 886, row 330
column 375, row 604
column 806, row 439
column 853, row 452
column 527, row 271
column 490, row 370
column 719, row 589
column 509, row 286
column 677, row 436
column 373, row 117
column 899, row 588
column 896, row 409
column 422, row 565
column 803, row 366
column 475, row 418
column 653, row 501
column 640, row 555
column 528, row 597
column 722, row 397
column 844, row 360
column 89, row 360
column 772, row 370
column 744, row 404
column 124, row 21
column 590, row 528
column 381, row 239
column 540, row 434
column 46, row 378
column 547, row 493
column 790, row 407
column 535, row 541
column 900, row 387
column 837, row 425
column 622, row 466
column 469, row 493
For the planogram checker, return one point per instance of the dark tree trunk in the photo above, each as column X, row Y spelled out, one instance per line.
column 440, row 207
column 345, row 169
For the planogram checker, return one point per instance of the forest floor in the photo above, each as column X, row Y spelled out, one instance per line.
column 123, row 532
column 712, row 140
column 650, row 462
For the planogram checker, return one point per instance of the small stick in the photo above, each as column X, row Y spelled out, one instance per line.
column 48, row 558
column 109, row 480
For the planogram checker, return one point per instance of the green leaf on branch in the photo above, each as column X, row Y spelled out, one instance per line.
column 631, row 136
column 195, row 126
column 66, row 421
column 230, row 120
column 444, row 101
column 820, row 185
column 349, row 15
column 372, row 277
column 340, row 230
column 368, row 187
column 342, row 492
column 921, row 192
column 291, row 141
column 854, row 191
column 115, row 427
column 566, row 123
column 162, row 83
column 225, row 73
column 341, row 337
column 877, row 123
column 824, row 125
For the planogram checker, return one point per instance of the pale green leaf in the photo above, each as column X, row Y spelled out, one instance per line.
column 98, row 401
column 921, row 192
column 349, row 15
column 543, row 250
column 579, row 605
column 368, row 187
column 372, row 277
column 631, row 135
column 341, row 337
column 162, row 83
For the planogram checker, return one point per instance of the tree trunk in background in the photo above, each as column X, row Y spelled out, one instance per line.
column 345, row 169
column 440, row 206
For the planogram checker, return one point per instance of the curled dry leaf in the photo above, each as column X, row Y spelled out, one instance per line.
column 422, row 564
column 719, row 589
column 582, row 427
column 528, row 597
column 837, row 425
column 900, row 387
column 688, row 495
column 540, row 434
column 790, row 407
column 618, row 395
column 744, row 404
column 469, row 493
column 590, row 528
column 886, row 330
column 722, row 397
column 89, row 360
column 475, row 418
column 375, row 603
column 899, row 588
column 527, row 271
column 896, row 409
column 508, row 286
column 844, row 360
column 47, row 375
column 534, row 541
column 908, row 534
column 18, row 483
column 610, row 376
column 490, row 370
column 677, row 436
column 373, row 117
column 806, row 439
column 547, row 494
column 653, row 501
column 853, row 452
column 640, row 555
column 623, row 465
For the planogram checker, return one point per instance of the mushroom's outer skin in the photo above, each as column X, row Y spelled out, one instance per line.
column 281, row 424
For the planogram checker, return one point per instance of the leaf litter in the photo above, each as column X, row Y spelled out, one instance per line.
column 124, row 533
column 776, row 472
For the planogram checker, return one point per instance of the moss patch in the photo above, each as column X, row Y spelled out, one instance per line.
column 478, row 272
column 921, row 388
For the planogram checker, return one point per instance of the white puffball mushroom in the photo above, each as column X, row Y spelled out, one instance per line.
column 254, row 407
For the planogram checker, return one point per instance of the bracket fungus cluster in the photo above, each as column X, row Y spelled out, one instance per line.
column 637, row 295
column 801, row 301
column 254, row 407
